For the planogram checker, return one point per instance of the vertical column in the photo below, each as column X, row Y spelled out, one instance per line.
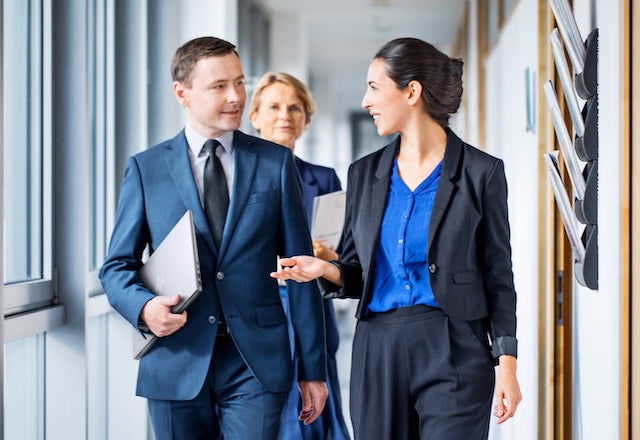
column 289, row 53
column 217, row 18
column 289, row 46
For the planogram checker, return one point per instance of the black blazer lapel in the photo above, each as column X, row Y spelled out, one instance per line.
column 379, row 191
column 447, row 186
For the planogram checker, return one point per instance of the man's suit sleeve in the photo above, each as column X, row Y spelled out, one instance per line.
column 307, row 312
column 119, row 273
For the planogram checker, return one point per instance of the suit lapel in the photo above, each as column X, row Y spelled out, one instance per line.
column 446, row 188
column 379, row 192
column 177, row 160
column 245, row 163
column 306, row 174
column 310, row 185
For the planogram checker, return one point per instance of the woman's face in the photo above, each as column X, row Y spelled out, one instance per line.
column 280, row 117
column 385, row 102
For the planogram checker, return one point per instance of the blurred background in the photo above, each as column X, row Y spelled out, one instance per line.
column 86, row 84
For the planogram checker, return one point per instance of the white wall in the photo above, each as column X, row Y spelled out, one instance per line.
column 596, row 391
column 289, row 51
column 597, row 313
column 507, row 138
column 466, row 122
column 328, row 139
column 289, row 54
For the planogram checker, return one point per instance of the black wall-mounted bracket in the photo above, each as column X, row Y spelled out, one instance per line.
column 586, row 210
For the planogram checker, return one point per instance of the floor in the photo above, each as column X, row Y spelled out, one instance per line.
column 345, row 309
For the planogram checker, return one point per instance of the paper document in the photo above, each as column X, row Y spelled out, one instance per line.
column 173, row 268
column 570, row 33
column 328, row 218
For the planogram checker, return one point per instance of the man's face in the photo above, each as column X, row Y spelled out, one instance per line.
column 216, row 97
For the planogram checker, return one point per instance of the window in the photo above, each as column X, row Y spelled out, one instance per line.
column 27, row 155
column 100, row 79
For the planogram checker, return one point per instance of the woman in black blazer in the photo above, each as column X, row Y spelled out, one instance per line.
column 426, row 250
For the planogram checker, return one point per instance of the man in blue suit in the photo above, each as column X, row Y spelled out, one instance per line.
column 221, row 369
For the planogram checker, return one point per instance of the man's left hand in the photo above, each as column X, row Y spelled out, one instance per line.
column 314, row 395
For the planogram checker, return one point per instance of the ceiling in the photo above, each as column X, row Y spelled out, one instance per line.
column 344, row 35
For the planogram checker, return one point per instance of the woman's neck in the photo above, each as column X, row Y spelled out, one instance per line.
column 423, row 141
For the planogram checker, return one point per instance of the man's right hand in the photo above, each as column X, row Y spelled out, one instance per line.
column 157, row 315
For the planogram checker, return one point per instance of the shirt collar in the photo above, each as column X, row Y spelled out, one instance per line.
column 196, row 140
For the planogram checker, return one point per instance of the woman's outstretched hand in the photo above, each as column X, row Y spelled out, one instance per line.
column 301, row 268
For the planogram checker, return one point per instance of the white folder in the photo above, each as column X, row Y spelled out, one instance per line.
column 328, row 218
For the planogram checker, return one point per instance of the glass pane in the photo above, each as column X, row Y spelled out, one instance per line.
column 24, row 388
column 98, row 107
column 22, row 140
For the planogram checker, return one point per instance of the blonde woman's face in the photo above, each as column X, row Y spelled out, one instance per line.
column 280, row 117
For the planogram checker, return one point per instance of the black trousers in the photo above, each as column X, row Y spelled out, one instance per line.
column 417, row 373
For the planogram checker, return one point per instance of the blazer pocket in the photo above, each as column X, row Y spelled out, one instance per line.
column 270, row 315
column 480, row 329
column 262, row 196
column 465, row 277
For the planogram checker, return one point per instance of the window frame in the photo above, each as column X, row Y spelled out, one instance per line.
column 20, row 299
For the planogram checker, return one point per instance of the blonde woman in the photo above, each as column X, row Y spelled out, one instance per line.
column 280, row 111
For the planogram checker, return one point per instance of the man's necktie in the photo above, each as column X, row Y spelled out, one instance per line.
column 216, row 196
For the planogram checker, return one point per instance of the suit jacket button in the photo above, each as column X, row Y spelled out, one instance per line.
column 220, row 276
column 432, row 268
column 212, row 319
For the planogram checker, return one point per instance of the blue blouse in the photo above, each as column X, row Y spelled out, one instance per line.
column 401, row 278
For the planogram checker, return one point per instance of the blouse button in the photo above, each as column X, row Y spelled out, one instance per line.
column 432, row 268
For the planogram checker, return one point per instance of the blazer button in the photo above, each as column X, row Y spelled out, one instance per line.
column 220, row 276
column 212, row 319
column 432, row 268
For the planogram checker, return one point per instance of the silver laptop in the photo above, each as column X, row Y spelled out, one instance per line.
column 173, row 268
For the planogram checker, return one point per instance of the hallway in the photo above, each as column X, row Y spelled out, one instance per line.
column 345, row 309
